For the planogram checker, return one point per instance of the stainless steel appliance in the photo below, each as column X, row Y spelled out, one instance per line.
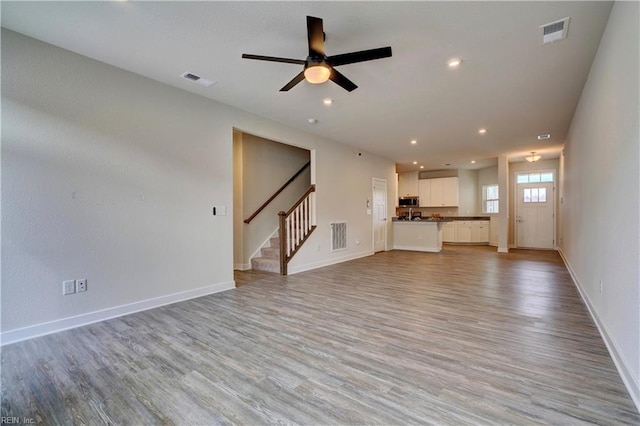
column 412, row 201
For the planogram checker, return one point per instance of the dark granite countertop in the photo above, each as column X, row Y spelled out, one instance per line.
column 441, row 219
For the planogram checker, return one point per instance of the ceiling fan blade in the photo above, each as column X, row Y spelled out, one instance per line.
column 361, row 56
column 273, row 59
column 315, row 37
column 297, row 79
column 342, row 81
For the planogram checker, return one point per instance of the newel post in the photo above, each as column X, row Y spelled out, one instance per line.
column 282, row 234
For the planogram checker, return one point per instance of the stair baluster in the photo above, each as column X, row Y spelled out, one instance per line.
column 295, row 226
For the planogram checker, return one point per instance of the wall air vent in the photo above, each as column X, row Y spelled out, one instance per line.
column 554, row 31
column 197, row 79
column 338, row 236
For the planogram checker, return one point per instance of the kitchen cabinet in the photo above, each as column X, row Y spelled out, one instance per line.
column 438, row 192
column 424, row 192
column 463, row 231
column 449, row 232
column 407, row 184
column 417, row 236
column 480, row 231
column 466, row 231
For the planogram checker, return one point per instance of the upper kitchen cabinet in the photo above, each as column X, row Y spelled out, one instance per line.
column 407, row 184
column 439, row 192
column 424, row 192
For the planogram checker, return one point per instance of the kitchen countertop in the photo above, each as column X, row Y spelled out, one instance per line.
column 442, row 219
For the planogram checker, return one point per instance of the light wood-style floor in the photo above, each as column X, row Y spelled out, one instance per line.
column 466, row 336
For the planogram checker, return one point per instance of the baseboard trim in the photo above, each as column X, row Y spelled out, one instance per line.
column 26, row 333
column 327, row 262
column 424, row 249
column 629, row 381
column 241, row 266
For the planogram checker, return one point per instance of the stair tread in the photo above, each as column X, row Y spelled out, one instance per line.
column 268, row 264
column 270, row 252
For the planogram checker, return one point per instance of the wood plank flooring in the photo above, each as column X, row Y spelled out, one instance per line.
column 465, row 336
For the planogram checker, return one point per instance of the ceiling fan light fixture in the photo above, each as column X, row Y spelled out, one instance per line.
column 454, row 62
column 317, row 74
column 533, row 157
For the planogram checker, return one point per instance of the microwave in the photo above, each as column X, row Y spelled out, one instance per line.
column 408, row 201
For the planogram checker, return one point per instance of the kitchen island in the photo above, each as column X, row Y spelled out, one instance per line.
column 417, row 235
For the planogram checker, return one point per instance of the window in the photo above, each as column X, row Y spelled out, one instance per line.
column 490, row 199
column 535, row 195
column 535, row 177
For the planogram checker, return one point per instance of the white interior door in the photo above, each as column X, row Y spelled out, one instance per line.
column 379, row 214
column 535, row 215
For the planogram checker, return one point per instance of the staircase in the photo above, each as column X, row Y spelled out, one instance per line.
column 294, row 228
column 269, row 259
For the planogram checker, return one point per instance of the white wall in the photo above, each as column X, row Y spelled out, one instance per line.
column 238, row 206
column 468, row 193
column 110, row 176
column 344, row 183
column 266, row 166
column 600, row 210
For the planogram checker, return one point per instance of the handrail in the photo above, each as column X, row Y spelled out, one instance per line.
column 266, row 203
column 311, row 189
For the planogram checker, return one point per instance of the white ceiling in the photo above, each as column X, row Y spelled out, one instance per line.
column 508, row 83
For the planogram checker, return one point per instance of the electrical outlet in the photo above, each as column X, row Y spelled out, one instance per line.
column 68, row 287
column 81, row 285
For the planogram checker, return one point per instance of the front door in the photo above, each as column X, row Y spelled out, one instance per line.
column 379, row 214
column 535, row 215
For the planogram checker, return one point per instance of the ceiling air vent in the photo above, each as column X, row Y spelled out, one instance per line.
column 197, row 79
column 554, row 31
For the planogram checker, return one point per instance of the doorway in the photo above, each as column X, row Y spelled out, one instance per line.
column 535, row 210
column 379, row 214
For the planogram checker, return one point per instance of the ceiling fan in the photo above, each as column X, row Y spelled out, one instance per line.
column 318, row 67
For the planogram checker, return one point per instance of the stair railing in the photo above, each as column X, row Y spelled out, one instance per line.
column 295, row 227
column 275, row 194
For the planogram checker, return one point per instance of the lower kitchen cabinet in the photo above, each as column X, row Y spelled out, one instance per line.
column 463, row 231
column 466, row 231
column 480, row 231
column 449, row 232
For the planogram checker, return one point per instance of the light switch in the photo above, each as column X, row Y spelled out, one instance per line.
column 220, row 211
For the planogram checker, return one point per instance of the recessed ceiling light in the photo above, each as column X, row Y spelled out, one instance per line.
column 413, row 142
column 543, row 137
column 422, row 167
column 473, row 161
column 415, row 162
column 327, row 101
column 482, row 131
column 454, row 62
column 312, row 121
